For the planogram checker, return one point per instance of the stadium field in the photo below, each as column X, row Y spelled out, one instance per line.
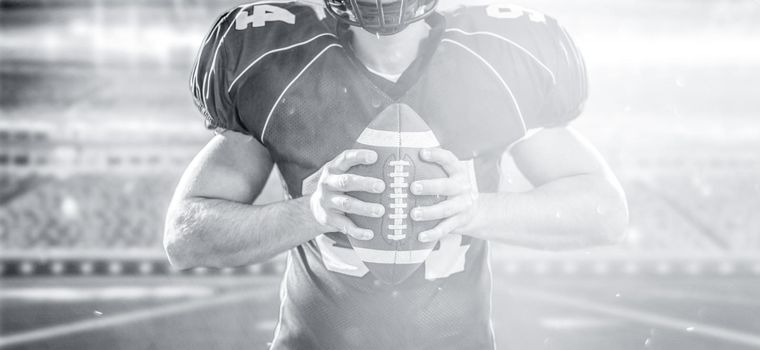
column 236, row 312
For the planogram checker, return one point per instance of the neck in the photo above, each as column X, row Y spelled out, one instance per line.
column 390, row 54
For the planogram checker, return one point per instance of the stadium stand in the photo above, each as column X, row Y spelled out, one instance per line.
column 86, row 203
column 105, row 202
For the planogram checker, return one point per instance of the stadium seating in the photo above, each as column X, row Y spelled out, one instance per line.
column 88, row 212
column 115, row 211
column 106, row 204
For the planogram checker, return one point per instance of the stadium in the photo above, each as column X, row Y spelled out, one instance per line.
column 97, row 125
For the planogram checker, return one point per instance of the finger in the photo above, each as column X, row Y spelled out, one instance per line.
column 348, row 204
column 447, row 160
column 351, row 182
column 442, row 187
column 443, row 228
column 442, row 210
column 350, row 158
column 346, row 226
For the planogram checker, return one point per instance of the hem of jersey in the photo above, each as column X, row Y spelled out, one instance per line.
column 283, row 297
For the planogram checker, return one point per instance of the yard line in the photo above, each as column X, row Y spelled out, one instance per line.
column 647, row 318
column 723, row 299
column 131, row 317
column 118, row 293
column 572, row 323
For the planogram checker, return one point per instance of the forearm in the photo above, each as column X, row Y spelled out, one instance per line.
column 567, row 213
column 221, row 233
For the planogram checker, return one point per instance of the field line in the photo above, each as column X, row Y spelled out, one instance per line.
column 648, row 318
column 663, row 293
column 129, row 317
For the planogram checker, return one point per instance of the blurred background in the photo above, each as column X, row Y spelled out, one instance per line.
column 97, row 124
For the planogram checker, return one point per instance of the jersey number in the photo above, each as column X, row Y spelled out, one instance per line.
column 263, row 14
column 512, row 12
column 447, row 260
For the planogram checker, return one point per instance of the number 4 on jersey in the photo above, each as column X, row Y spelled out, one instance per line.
column 511, row 12
column 261, row 15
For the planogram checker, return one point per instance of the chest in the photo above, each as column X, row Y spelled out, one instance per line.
column 471, row 108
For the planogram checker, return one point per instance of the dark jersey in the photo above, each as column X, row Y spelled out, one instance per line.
column 284, row 73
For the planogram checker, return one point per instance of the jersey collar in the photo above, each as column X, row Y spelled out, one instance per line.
column 416, row 69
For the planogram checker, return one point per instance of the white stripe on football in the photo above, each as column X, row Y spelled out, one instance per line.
column 377, row 256
column 384, row 138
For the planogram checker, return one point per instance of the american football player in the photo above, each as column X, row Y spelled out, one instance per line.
column 291, row 84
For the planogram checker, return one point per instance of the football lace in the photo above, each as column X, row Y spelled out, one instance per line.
column 398, row 196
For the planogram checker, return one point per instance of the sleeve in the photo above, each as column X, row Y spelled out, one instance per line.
column 209, row 79
column 565, row 98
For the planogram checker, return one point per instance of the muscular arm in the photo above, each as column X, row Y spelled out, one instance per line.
column 576, row 201
column 211, row 221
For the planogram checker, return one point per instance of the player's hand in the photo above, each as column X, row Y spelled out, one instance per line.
column 329, row 203
column 461, row 203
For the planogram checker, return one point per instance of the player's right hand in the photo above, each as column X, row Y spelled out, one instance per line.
column 329, row 203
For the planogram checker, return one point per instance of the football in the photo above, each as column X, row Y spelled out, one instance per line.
column 397, row 134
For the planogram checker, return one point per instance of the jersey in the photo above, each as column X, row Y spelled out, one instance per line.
column 485, row 78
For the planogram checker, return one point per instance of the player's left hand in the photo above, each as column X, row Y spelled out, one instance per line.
column 461, row 203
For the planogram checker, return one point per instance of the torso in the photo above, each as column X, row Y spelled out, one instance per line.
column 300, row 91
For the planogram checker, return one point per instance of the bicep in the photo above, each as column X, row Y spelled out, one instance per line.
column 232, row 166
column 554, row 153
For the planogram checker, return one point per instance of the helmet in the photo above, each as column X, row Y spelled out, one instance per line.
column 380, row 16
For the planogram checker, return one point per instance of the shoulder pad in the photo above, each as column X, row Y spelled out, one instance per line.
column 500, row 18
column 261, row 26
column 238, row 39
column 546, row 50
